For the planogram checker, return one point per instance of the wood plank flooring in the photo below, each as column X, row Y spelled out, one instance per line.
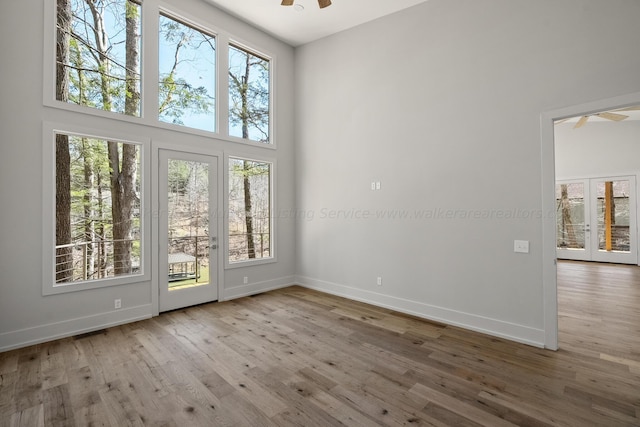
column 296, row 357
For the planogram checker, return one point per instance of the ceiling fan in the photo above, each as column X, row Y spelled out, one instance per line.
column 321, row 3
column 609, row 115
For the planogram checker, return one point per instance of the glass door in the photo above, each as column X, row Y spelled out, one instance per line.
column 573, row 236
column 596, row 220
column 613, row 216
column 187, row 229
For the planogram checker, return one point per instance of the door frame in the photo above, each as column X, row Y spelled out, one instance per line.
column 548, row 172
column 155, row 215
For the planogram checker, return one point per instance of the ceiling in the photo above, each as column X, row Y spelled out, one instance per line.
column 632, row 113
column 297, row 27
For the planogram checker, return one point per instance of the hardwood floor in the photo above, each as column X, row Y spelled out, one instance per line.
column 296, row 357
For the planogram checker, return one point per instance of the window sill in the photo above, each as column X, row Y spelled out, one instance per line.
column 249, row 263
column 63, row 288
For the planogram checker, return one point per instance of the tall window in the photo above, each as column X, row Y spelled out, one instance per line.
column 249, row 97
column 187, row 84
column 97, row 199
column 98, row 54
column 249, row 210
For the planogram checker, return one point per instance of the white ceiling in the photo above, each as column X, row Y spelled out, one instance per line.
column 632, row 115
column 299, row 27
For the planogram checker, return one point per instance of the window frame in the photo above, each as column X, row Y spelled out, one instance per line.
column 273, row 253
column 49, row 69
column 49, row 285
column 150, row 14
column 272, row 65
column 181, row 18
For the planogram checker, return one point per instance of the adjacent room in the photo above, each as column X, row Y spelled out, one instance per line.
column 314, row 212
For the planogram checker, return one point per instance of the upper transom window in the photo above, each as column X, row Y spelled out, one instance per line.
column 96, row 68
column 98, row 54
column 187, row 84
column 249, row 95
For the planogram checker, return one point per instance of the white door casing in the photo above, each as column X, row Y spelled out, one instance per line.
column 188, row 256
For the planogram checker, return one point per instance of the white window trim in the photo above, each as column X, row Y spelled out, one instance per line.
column 50, row 129
column 149, row 75
column 272, row 218
column 49, row 70
column 189, row 20
column 272, row 66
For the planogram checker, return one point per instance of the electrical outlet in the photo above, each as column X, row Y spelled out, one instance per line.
column 117, row 303
column 521, row 246
column 246, row 280
column 379, row 281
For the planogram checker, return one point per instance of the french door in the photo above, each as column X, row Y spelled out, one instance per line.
column 596, row 219
column 188, row 239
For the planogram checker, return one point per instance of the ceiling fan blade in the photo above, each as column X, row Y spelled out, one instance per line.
column 634, row 108
column 612, row 116
column 581, row 122
column 324, row 3
column 287, row 3
column 557, row 122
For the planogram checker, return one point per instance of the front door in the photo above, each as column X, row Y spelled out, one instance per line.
column 188, row 236
column 596, row 220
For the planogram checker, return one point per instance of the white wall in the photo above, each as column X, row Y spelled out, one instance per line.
column 25, row 315
column 597, row 149
column 442, row 104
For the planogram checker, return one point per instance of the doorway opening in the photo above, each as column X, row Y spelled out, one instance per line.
column 566, row 163
column 188, row 267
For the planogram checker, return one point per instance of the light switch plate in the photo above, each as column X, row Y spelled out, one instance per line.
column 521, row 246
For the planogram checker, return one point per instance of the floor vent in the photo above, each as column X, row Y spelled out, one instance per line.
column 89, row 334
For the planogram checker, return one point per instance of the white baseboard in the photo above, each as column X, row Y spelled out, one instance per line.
column 43, row 333
column 256, row 288
column 497, row 328
column 51, row 331
column 39, row 334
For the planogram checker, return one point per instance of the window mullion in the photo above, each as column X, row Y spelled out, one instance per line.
column 223, row 84
column 150, row 14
